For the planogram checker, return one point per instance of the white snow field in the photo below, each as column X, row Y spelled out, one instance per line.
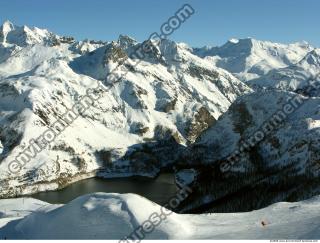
column 115, row 216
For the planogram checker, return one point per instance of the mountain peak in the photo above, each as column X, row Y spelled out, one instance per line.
column 312, row 58
column 302, row 45
column 23, row 35
column 126, row 41
column 247, row 40
column 125, row 37
column 7, row 25
column 316, row 52
column 234, row 40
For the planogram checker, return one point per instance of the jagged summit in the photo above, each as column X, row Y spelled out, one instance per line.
column 23, row 35
column 7, row 26
column 312, row 58
column 126, row 41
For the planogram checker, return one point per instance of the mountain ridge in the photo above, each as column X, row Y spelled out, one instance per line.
column 169, row 108
column 169, row 93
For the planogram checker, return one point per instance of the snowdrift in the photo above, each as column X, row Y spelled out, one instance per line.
column 115, row 216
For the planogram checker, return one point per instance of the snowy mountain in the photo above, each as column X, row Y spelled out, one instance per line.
column 295, row 77
column 168, row 94
column 24, row 36
column 250, row 58
column 263, row 150
column 115, row 112
column 115, row 216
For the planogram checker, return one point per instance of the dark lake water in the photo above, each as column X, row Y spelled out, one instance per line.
column 159, row 190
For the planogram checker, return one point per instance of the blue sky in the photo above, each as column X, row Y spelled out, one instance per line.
column 214, row 22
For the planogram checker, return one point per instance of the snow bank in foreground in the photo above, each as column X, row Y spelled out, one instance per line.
column 114, row 216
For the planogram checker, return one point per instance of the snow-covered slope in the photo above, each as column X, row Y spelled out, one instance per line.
column 249, row 58
column 115, row 216
column 167, row 94
column 264, row 149
column 294, row 77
